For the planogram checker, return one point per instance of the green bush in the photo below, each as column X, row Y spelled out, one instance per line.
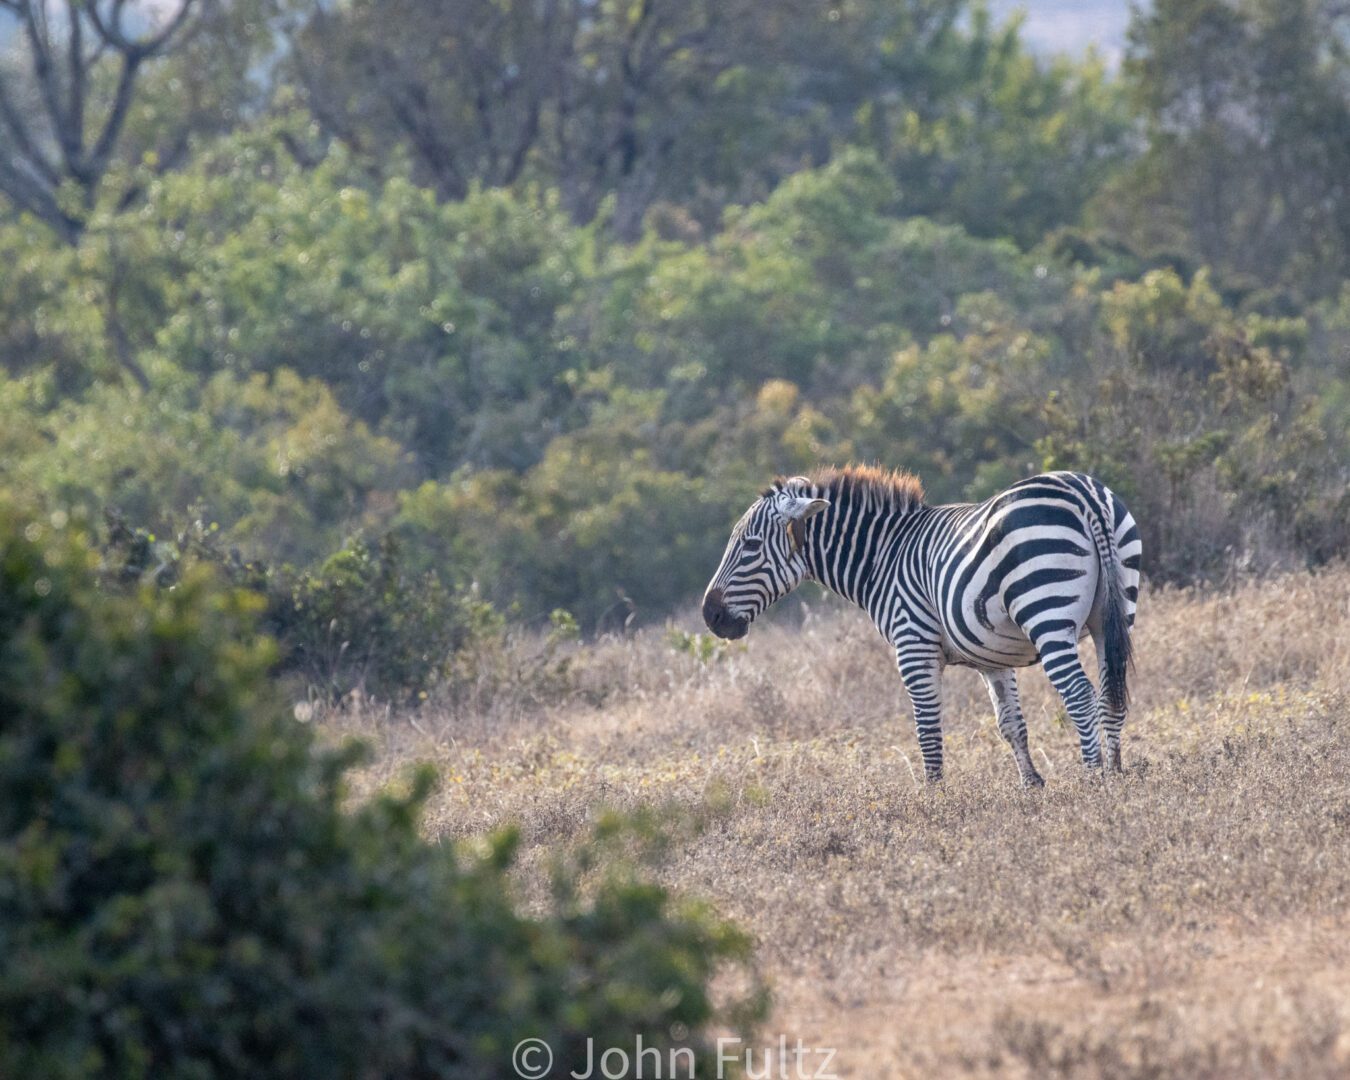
column 364, row 618
column 183, row 895
column 272, row 459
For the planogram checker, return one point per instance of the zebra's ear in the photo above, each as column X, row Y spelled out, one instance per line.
column 801, row 508
column 797, row 512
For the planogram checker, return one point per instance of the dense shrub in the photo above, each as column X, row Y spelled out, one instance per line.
column 273, row 460
column 364, row 618
column 182, row 894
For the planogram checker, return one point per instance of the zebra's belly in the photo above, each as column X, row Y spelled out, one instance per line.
column 996, row 650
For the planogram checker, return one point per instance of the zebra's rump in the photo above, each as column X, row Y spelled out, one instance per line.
column 1025, row 567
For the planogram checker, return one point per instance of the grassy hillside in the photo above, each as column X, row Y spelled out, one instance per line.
column 1185, row 919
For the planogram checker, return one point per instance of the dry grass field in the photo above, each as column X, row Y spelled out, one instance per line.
column 1187, row 919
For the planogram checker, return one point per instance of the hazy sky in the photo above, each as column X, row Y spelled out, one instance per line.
column 1071, row 25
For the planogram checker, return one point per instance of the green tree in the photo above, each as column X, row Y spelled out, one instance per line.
column 818, row 285
column 962, row 412
column 983, row 133
column 1248, row 121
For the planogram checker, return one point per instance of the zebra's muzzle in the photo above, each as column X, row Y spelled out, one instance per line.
column 720, row 620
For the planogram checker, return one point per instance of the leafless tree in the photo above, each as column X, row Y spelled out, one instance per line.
column 463, row 85
column 599, row 97
column 65, row 96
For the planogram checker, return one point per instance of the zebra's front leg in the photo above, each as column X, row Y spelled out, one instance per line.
column 921, row 669
column 1012, row 724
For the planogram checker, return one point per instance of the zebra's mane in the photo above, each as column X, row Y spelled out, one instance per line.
column 901, row 491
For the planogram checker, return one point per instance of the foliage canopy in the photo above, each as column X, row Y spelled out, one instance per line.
column 546, row 301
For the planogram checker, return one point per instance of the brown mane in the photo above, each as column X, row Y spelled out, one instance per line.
column 902, row 491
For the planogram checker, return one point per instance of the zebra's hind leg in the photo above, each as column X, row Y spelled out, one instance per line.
column 1012, row 725
column 1109, row 721
column 921, row 669
column 1059, row 658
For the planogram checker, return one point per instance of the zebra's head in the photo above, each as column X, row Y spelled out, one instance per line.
column 763, row 561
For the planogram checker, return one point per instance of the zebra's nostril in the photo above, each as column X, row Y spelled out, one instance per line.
column 719, row 618
column 714, row 608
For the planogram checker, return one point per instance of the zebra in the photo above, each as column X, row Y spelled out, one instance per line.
column 1017, row 579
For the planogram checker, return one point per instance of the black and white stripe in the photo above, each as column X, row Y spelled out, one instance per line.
column 998, row 585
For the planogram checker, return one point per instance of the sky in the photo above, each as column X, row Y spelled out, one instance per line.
column 1057, row 26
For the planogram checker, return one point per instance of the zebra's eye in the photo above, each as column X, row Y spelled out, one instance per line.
column 752, row 543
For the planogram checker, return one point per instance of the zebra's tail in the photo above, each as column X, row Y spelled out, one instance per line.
column 1115, row 622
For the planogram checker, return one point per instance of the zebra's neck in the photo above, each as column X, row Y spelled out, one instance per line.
column 853, row 546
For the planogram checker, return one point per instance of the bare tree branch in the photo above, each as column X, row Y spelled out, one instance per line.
column 78, row 69
column 152, row 45
column 38, row 199
column 126, row 355
column 117, row 115
column 12, row 119
column 61, row 66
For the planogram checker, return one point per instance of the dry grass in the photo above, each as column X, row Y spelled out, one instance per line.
column 1188, row 918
